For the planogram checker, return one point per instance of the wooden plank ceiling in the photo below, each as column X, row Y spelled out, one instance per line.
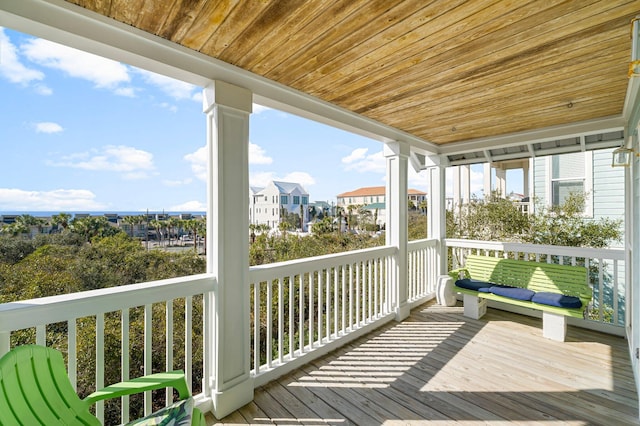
column 443, row 70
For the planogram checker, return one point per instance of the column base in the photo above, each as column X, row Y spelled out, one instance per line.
column 554, row 326
column 228, row 401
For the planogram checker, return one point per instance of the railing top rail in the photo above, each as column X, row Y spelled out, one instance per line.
column 293, row 267
column 422, row 243
column 592, row 253
column 48, row 310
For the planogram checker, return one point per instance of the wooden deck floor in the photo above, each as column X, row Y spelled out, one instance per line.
column 438, row 367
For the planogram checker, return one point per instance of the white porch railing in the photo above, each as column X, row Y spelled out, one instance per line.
column 606, row 272
column 302, row 306
column 423, row 270
column 161, row 318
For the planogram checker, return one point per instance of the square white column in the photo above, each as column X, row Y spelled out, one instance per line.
column 227, row 328
column 396, row 206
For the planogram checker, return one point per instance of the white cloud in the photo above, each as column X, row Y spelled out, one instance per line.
column 43, row 90
column 176, row 183
column 258, row 109
column 198, row 159
column 359, row 161
column 198, row 162
column 263, row 178
column 132, row 162
column 189, row 206
column 48, row 127
column 356, row 155
column 10, row 66
column 56, row 200
column 174, row 88
column 257, row 155
column 103, row 72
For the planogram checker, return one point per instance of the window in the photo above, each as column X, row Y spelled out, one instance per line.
column 296, row 199
column 305, row 200
column 284, row 199
column 569, row 173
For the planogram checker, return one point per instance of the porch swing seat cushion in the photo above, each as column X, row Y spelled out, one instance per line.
column 555, row 299
column 471, row 284
column 512, row 292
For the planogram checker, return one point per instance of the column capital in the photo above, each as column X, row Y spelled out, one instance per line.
column 222, row 93
column 396, row 148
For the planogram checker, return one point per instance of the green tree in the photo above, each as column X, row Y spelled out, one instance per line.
column 61, row 220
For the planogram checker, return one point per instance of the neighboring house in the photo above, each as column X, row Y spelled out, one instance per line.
column 267, row 205
column 373, row 198
column 555, row 176
column 548, row 179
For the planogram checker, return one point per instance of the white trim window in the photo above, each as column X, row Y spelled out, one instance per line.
column 567, row 173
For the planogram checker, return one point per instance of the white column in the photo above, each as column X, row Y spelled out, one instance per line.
column 465, row 178
column 501, row 182
column 526, row 179
column 437, row 212
column 227, row 336
column 396, row 204
column 487, row 180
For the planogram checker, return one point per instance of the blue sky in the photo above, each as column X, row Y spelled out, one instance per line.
column 83, row 133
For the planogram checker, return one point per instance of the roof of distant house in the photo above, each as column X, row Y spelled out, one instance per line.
column 374, row 190
column 288, row 187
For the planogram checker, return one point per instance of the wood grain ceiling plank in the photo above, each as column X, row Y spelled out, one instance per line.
column 391, row 24
column 181, row 16
column 208, row 24
column 424, row 33
column 587, row 106
column 502, row 80
column 529, row 97
column 125, row 11
column 306, row 57
column 261, row 41
column 482, row 129
column 333, row 15
column 481, row 53
column 153, row 15
column 236, row 21
column 609, row 64
column 102, row 7
column 527, row 100
column 579, row 56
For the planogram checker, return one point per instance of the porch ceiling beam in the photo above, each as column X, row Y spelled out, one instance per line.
column 74, row 26
column 584, row 128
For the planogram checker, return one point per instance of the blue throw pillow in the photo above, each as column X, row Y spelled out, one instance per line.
column 470, row 284
column 555, row 299
column 512, row 292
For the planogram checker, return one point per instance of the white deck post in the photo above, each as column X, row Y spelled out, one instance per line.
column 437, row 211
column 396, row 205
column 227, row 338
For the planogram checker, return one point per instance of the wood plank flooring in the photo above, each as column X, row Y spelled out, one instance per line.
column 438, row 367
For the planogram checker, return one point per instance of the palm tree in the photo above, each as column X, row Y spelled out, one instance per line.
column 61, row 219
column 131, row 221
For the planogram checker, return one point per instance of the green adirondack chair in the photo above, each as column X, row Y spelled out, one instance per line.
column 35, row 390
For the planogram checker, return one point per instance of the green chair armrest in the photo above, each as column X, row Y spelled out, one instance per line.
column 173, row 379
column 455, row 273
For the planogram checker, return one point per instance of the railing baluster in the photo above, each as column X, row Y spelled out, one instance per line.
column 292, row 318
column 280, row 320
column 269, row 338
column 41, row 335
column 327, row 314
column 351, row 272
column 312, row 317
column 357, row 318
column 615, row 292
column 343, row 302
column 124, row 362
column 320, row 307
column 336, row 274
column 72, row 353
column 148, row 353
column 169, row 346
column 188, row 342
column 601, row 289
column 301, row 312
column 100, row 363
